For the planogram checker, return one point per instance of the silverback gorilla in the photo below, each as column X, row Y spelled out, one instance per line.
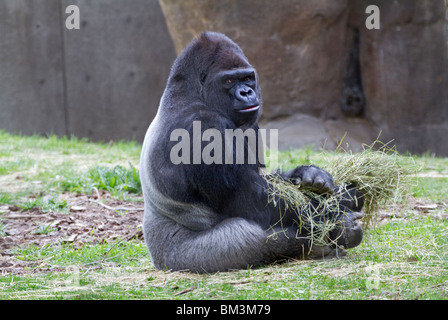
column 216, row 217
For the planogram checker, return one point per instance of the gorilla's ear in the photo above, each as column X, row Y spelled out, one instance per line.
column 178, row 77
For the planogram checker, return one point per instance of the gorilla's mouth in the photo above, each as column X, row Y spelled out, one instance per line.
column 249, row 109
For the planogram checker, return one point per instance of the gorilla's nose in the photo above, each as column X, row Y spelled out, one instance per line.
column 245, row 94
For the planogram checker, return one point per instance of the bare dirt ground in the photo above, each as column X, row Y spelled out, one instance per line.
column 87, row 221
column 91, row 220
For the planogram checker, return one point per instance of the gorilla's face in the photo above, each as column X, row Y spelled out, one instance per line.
column 237, row 93
column 214, row 71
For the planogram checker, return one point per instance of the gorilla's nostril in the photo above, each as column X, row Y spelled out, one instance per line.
column 245, row 93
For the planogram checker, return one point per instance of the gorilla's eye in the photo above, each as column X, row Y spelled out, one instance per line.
column 248, row 78
column 229, row 81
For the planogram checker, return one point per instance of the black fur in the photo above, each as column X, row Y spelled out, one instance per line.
column 215, row 217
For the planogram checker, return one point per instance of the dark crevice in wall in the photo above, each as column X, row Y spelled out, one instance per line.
column 352, row 100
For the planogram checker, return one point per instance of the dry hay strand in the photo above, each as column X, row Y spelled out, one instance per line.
column 307, row 206
column 379, row 173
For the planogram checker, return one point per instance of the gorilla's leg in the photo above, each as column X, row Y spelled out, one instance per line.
column 235, row 243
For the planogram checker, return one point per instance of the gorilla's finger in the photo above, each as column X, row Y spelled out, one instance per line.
column 352, row 237
column 328, row 187
column 326, row 252
column 307, row 178
column 357, row 215
column 318, row 182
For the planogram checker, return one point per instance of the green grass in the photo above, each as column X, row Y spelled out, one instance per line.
column 2, row 228
column 403, row 257
column 45, row 228
column 35, row 164
column 116, row 180
column 45, row 205
column 384, row 266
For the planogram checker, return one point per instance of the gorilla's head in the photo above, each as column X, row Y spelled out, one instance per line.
column 213, row 71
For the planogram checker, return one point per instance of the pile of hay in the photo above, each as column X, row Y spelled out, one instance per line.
column 382, row 175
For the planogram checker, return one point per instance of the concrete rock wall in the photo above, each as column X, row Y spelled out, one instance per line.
column 293, row 44
column 103, row 81
column 300, row 49
column 31, row 67
column 405, row 73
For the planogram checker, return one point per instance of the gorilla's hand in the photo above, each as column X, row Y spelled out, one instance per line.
column 326, row 252
column 310, row 177
column 349, row 235
column 349, row 232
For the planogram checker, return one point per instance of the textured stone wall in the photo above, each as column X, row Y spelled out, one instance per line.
column 405, row 73
column 293, row 44
column 300, row 49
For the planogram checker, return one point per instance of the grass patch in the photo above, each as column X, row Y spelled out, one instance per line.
column 35, row 164
column 115, row 180
column 45, row 205
column 44, row 228
column 382, row 267
column 434, row 189
column 403, row 257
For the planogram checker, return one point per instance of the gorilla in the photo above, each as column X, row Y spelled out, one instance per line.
column 216, row 217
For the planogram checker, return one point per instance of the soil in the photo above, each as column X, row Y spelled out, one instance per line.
column 88, row 221
column 91, row 221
